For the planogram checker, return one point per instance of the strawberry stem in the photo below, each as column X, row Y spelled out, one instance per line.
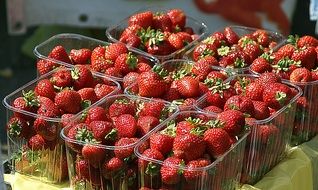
column 30, row 99
column 281, row 97
column 223, row 50
column 132, row 61
column 112, row 135
column 152, row 169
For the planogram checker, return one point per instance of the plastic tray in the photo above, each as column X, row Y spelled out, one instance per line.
column 223, row 173
column 113, row 33
column 126, row 177
column 262, row 157
column 49, row 163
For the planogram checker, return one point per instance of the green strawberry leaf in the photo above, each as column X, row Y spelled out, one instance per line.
column 30, row 98
column 223, row 50
column 152, row 169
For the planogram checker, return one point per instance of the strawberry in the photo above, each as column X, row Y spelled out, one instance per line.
column 284, row 51
column 28, row 102
column 82, row 77
column 149, row 167
column 306, row 55
column 46, row 129
column 62, row 78
column 132, row 29
column 120, row 107
column 203, row 50
column 262, row 37
column 45, row 88
column 126, row 126
column 128, row 150
column 152, row 108
column 240, row 84
column 111, row 167
column 80, row 56
column 126, row 62
column 161, row 142
column 146, row 124
column 143, row 19
column 179, row 40
column 307, row 41
column 254, row 91
column 252, row 50
column 203, row 67
column 314, row 75
column 188, row 30
column 158, row 45
column 169, row 173
column 88, row 95
column 103, row 131
column 188, row 87
column 185, row 127
column 114, row 50
column 68, row 100
column 143, row 67
column 233, row 121
column 151, row 84
column 18, row 127
column 190, row 174
column 300, row 75
column 216, row 75
column 132, row 40
column 44, row 66
column 114, row 72
column 87, row 172
column 212, row 109
column 236, row 59
column 66, row 120
column 261, row 110
column 220, row 37
column 162, row 21
column 276, row 95
column 98, row 61
column 93, row 154
column 188, row 147
column 219, row 93
column 178, row 19
column 268, row 134
column 37, row 142
column 95, row 114
column 172, row 94
column 260, row 65
column 59, row 53
column 217, row 141
column 130, row 79
column 48, row 108
column 231, row 36
column 240, row 103
column 102, row 90
column 268, row 78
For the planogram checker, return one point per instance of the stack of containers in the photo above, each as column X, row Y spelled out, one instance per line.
column 199, row 29
column 34, row 123
column 269, row 139
column 221, row 43
column 108, row 161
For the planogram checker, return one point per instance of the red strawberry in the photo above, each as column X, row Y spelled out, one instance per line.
column 126, row 62
column 146, row 124
column 114, row 72
column 188, row 147
column 46, row 129
column 45, row 88
column 81, row 133
column 172, row 94
column 93, row 154
column 203, row 67
column 131, row 40
column 149, row 167
column 88, row 94
column 29, row 102
column 276, row 95
column 220, row 37
column 36, row 142
column 111, row 167
column 82, row 77
column 233, row 121
column 179, row 40
column 143, row 19
column 159, row 45
column 240, row 103
column 261, row 110
column 48, row 108
column 102, row 90
column 59, row 53
column 126, row 126
column 98, row 61
column 284, row 51
column 237, row 59
column 152, row 108
column 307, row 56
column 262, row 37
column 87, row 172
column 62, row 78
column 217, row 75
column 133, row 29
column 128, row 151
column 120, row 107
column 18, row 127
column 260, row 65
column 68, row 100
column 213, row 109
column 307, row 41
column 185, row 127
column 143, row 67
column 178, row 18
column 130, row 79
column 44, row 66
column 114, row 50
column 254, row 91
column 314, row 75
column 203, row 50
column 163, row 22
column 191, row 174
column 80, row 56
column 300, row 75
column 151, row 84
column 219, row 93
column 268, row 134
column 218, row 141
column 231, row 36
column 268, row 78
column 66, row 120
column 103, row 131
column 188, row 87
column 188, row 30
column 161, row 142
column 95, row 114
column 252, row 50
column 170, row 174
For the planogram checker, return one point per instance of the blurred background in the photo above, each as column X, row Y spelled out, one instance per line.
column 26, row 23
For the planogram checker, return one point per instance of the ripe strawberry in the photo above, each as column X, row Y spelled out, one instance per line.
column 78, row 132
column 284, row 51
column 132, row 29
column 126, row 126
column 143, row 67
column 126, row 62
column 120, row 107
column 268, row 78
column 203, row 50
column 203, row 67
column 217, row 75
column 262, row 37
column 82, row 77
column 69, row 101
column 212, row 109
column 46, row 129
column 28, row 102
column 178, row 18
column 236, row 59
column 172, row 94
column 150, row 168
column 93, row 154
column 45, row 88
column 260, row 65
column 66, row 120
column 44, row 66
column 163, row 22
column 276, row 95
column 188, row 147
column 62, row 78
column 185, row 127
column 152, row 108
column 240, row 103
column 146, row 124
column 114, row 50
column 128, row 151
column 179, row 40
column 129, row 80
column 233, row 121
column 300, row 75
column 217, row 141
column 131, row 40
column 261, row 110
column 220, row 37
column 143, row 19
column 268, row 134
column 170, row 174
column 111, row 167
column 231, row 36
column 219, row 93
column 254, row 91
column 191, row 174
column 307, row 56
column 59, row 53
column 95, row 114
column 87, row 172
column 88, row 94
column 151, row 85
column 253, row 51
column 307, row 41
column 18, row 127
column 37, row 142
column 98, row 61
column 102, row 90
column 314, row 75
column 188, row 87
column 161, row 142
column 114, row 72
column 103, row 131
column 80, row 56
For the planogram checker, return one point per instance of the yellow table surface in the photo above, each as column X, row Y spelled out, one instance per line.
column 295, row 172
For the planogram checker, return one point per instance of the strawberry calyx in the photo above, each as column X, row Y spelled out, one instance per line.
column 178, row 102
column 239, row 63
column 177, row 29
column 223, row 50
column 210, row 82
column 281, row 97
column 195, row 121
column 132, row 61
column 162, row 72
column 207, row 52
column 209, row 40
column 199, row 131
column 179, row 74
column 152, row 169
column 30, row 99
column 293, row 39
column 112, row 135
column 268, row 56
column 15, row 128
column 122, row 101
column 243, row 82
column 145, row 35
column 181, row 166
column 140, row 106
column 85, row 135
column 245, row 41
column 170, row 130
column 219, row 87
column 285, row 63
column 156, row 38
column 75, row 73
column 130, row 158
column 85, row 104
column 158, row 13
column 215, row 123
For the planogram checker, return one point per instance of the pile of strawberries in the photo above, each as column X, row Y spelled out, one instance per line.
column 54, row 99
column 182, row 151
column 120, row 122
column 160, row 33
column 234, row 51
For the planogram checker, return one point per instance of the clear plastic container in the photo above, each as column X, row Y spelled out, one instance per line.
column 114, row 32
column 261, row 157
column 47, row 164
column 223, row 173
column 76, row 41
column 124, row 177
column 242, row 31
column 173, row 66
